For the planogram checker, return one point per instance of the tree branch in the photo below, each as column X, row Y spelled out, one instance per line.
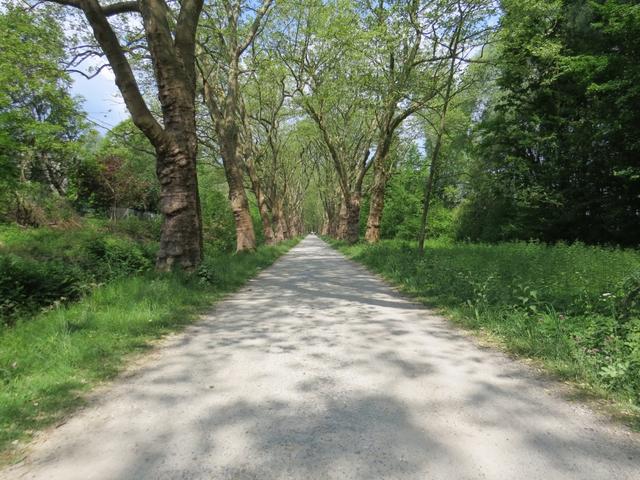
column 255, row 27
column 120, row 7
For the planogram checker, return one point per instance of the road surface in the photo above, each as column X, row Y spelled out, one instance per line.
column 318, row 370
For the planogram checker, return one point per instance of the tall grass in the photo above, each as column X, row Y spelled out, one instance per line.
column 575, row 307
column 42, row 267
column 48, row 361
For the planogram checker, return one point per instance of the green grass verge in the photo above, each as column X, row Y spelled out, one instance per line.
column 42, row 267
column 47, row 362
column 573, row 308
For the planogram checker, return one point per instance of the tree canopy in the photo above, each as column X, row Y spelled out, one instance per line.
column 472, row 119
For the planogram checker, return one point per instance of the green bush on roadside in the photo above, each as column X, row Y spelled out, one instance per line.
column 43, row 267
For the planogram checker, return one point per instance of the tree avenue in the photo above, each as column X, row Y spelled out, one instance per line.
column 359, row 119
column 482, row 155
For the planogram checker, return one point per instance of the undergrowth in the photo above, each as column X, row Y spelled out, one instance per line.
column 44, row 267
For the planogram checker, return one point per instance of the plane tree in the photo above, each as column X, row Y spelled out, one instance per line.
column 168, row 38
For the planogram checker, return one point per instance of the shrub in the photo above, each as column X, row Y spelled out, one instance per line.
column 115, row 257
column 26, row 285
column 42, row 267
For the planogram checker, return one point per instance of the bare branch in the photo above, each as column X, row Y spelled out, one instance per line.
column 255, row 27
column 89, row 76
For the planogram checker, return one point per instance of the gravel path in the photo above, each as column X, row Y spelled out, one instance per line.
column 318, row 370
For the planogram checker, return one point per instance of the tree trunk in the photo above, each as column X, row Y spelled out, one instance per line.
column 353, row 228
column 435, row 157
column 293, row 229
column 181, row 234
column 176, row 153
column 427, row 204
column 245, row 235
column 377, row 204
column 350, row 220
column 171, row 45
column 279, row 224
column 267, row 228
column 341, row 233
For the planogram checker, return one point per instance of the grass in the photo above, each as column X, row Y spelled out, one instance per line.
column 46, row 266
column 573, row 308
column 48, row 361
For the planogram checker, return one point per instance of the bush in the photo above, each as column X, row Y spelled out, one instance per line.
column 26, row 285
column 111, row 258
column 42, row 267
column 219, row 225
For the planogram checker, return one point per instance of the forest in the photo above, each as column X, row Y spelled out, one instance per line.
column 481, row 155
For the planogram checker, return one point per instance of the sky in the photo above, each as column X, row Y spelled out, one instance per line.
column 102, row 101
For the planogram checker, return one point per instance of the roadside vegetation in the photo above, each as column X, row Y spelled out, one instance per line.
column 45, row 267
column 574, row 307
column 48, row 360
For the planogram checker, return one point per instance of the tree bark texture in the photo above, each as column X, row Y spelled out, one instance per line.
column 245, row 235
column 279, row 223
column 376, row 208
column 265, row 216
column 349, row 227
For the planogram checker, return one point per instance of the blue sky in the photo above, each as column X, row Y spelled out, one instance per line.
column 102, row 100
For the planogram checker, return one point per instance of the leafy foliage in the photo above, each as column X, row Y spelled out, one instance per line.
column 42, row 268
column 120, row 173
column 558, row 148
column 41, row 125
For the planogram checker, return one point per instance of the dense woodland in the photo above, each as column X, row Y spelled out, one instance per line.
column 483, row 154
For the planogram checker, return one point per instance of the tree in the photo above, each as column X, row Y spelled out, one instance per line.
column 41, row 125
column 404, row 40
column 324, row 56
column 226, row 35
column 263, row 115
column 557, row 147
column 170, row 41
column 118, row 174
column 467, row 24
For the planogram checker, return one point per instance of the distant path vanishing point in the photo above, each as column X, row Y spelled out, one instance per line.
column 318, row 370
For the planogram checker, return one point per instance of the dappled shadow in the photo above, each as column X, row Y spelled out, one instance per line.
column 318, row 370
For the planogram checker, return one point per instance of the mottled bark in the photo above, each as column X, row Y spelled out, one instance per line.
column 245, row 235
column 380, row 175
column 177, row 148
column 181, row 234
column 349, row 226
column 376, row 208
column 341, row 231
column 223, row 100
column 353, row 219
